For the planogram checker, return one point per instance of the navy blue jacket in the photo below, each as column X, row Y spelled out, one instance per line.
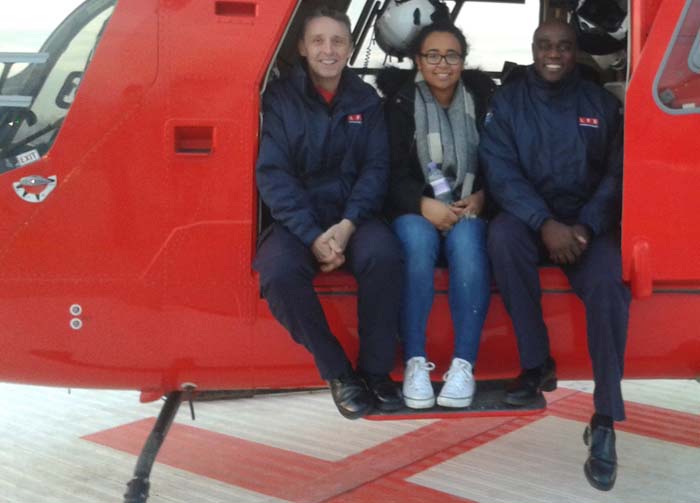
column 318, row 163
column 555, row 152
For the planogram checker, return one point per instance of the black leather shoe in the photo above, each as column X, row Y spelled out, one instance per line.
column 387, row 395
column 351, row 396
column 601, row 466
column 530, row 384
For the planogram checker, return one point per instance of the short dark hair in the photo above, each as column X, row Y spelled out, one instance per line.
column 443, row 27
column 555, row 22
column 324, row 11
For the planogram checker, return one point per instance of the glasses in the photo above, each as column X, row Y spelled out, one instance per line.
column 434, row 58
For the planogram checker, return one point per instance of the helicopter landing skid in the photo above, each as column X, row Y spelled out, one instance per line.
column 138, row 487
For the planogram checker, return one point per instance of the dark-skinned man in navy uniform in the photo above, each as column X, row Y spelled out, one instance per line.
column 552, row 155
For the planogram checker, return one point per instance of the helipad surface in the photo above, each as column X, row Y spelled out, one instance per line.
column 61, row 447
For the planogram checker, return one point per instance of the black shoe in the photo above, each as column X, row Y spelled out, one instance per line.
column 601, row 466
column 351, row 396
column 530, row 384
column 387, row 395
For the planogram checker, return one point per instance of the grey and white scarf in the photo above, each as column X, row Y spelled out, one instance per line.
column 448, row 139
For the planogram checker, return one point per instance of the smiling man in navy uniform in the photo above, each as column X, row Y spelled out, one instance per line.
column 552, row 155
column 323, row 171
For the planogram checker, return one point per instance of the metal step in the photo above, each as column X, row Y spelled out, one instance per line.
column 488, row 402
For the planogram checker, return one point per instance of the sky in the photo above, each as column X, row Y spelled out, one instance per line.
column 25, row 24
column 499, row 32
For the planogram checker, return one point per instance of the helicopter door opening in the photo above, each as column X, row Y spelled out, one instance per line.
column 499, row 34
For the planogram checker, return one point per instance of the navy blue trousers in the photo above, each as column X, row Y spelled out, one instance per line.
column 516, row 251
column 373, row 255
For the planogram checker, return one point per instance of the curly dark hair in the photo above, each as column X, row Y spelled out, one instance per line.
column 440, row 26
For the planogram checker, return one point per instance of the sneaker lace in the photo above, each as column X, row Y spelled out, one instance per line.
column 417, row 365
column 459, row 367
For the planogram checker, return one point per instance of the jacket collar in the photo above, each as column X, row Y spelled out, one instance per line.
column 548, row 91
column 351, row 90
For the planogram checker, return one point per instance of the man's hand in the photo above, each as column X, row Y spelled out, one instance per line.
column 564, row 243
column 443, row 217
column 327, row 252
column 582, row 234
column 470, row 206
column 341, row 232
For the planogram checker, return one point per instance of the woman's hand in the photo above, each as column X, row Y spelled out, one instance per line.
column 470, row 206
column 442, row 216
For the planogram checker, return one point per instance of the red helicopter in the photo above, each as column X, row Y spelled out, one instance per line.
column 129, row 213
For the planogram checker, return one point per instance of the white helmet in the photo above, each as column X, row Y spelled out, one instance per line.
column 399, row 22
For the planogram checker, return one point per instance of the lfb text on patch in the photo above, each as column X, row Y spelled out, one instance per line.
column 588, row 121
column 355, row 119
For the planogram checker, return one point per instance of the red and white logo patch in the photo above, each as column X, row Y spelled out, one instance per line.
column 588, row 122
column 355, row 119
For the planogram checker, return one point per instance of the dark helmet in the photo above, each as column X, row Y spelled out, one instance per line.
column 601, row 26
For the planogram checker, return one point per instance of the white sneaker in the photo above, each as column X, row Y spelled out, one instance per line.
column 459, row 386
column 417, row 390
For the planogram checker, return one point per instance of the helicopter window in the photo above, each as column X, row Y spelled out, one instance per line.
column 677, row 85
column 497, row 31
column 694, row 59
column 41, row 66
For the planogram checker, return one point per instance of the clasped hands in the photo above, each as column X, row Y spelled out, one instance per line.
column 329, row 247
column 445, row 216
column 565, row 243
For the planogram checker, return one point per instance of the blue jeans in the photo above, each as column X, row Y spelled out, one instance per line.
column 464, row 248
